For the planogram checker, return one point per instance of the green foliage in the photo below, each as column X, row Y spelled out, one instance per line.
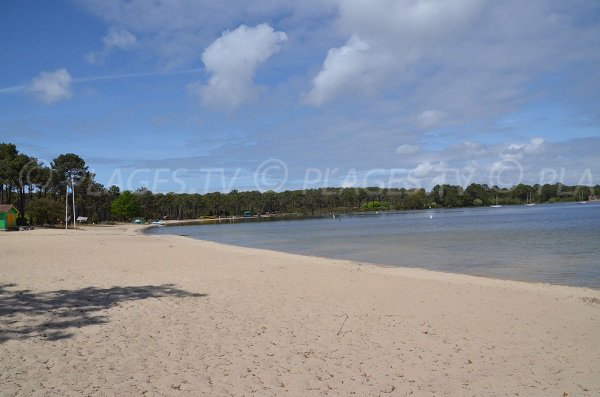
column 67, row 168
column 448, row 195
column 375, row 206
column 17, row 172
column 125, row 206
column 45, row 210
column 477, row 202
column 414, row 200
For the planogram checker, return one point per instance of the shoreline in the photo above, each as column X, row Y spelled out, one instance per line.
column 417, row 273
column 423, row 273
column 403, row 271
column 128, row 313
column 146, row 231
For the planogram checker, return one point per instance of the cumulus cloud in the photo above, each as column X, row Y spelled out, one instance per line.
column 51, row 87
column 176, row 31
column 467, row 59
column 536, row 161
column 425, row 169
column 517, row 151
column 387, row 38
column 115, row 39
column 409, row 66
column 351, row 66
column 232, row 60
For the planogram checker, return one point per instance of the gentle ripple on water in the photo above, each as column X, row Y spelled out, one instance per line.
column 549, row 243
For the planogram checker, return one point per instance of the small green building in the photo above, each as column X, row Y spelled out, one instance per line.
column 8, row 217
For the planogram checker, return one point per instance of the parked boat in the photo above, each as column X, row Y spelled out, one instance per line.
column 496, row 205
column 529, row 201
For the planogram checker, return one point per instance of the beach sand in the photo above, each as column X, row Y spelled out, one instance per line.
column 108, row 311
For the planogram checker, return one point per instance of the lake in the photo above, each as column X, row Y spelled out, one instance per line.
column 553, row 243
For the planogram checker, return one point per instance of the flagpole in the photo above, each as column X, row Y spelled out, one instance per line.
column 73, row 189
column 67, row 207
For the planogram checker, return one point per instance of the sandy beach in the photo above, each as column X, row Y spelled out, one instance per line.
column 108, row 311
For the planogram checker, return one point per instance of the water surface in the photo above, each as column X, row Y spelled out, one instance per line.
column 555, row 243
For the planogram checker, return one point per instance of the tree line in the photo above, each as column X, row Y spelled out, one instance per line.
column 40, row 193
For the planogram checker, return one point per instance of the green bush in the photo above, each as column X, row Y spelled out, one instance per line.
column 125, row 206
column 45, row 210
column 375, row 206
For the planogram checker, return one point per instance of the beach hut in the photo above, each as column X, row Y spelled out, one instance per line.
column 8, row 217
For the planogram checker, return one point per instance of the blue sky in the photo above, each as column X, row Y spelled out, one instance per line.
column 199, row 96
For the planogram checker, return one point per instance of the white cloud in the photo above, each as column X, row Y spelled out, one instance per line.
column 119, row 38
column 423, row 169
column 467, row 150
column 387, row 38
column 232, row 60
column 407, row 148
column 175, row 31
column 51, row 87
column 351, row 66
column 468, row 59
column 429, row 119
column 114, row 39
column 517, row 151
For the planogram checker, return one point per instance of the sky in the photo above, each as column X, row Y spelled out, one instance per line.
column 197, row 96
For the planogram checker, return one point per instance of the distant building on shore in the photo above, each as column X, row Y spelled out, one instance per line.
column 8, row 217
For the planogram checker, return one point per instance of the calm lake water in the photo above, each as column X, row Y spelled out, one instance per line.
column 556, row 243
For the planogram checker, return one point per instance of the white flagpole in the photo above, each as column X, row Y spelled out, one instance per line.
column 67, row 207
column 73, row 189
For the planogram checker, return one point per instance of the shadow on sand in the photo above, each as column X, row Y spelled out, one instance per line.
column 49, row 315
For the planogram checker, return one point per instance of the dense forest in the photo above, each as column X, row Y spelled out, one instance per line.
column 39, row 192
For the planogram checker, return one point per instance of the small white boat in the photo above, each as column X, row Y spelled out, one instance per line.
column 496, row 205
column 529, row 202
column 581, row 200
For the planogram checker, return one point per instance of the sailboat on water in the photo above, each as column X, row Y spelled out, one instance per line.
column 495, row 205
column 529, row 201
column 581, row 200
